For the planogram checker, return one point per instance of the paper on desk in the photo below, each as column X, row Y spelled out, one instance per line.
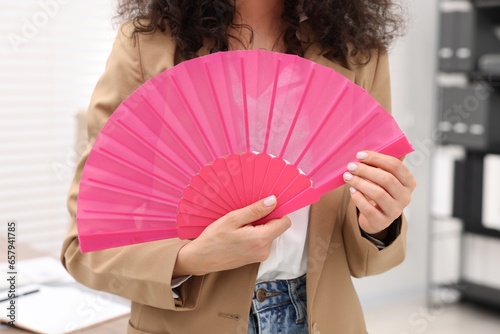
column 41, row 270
column 56, row 310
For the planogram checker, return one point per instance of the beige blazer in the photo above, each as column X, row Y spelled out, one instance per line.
column 219, row 303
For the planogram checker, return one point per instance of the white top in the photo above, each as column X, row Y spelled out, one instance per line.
column 288, row 256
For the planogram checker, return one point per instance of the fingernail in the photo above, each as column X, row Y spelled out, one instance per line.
column 352, row 166
column 347, row 176
column 352, row 190
column 270, row 201
column 361, row 155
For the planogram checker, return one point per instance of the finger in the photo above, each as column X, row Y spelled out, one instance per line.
column 373, row 191
column 386, row 162
column 376, row 219
column 253, row 212
column 274, row 228
column 378, row 176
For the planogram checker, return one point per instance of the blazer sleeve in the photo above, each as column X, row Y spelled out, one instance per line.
column 143, row 272
column 363, row 256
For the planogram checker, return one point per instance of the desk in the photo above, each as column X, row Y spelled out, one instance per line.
column 115, row 326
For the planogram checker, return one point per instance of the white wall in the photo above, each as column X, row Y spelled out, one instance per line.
column 412, row 71
column 51, row 55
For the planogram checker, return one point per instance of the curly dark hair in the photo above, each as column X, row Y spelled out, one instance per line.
column 342, row 28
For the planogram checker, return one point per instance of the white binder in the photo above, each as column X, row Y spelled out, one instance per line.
column 481, row 264
column 491, row 192
column 443, row 171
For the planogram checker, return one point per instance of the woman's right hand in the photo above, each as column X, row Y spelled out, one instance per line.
column 231, row 241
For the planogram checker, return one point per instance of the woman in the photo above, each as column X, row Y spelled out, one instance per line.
column 277, row 277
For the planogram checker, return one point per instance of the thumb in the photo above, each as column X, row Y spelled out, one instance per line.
column 254, row 211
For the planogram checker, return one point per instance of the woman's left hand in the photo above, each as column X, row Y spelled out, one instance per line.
column 381, row 187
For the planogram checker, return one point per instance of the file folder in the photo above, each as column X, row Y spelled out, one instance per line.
column 443, row 171
column 456, row 50
column 481, row 264
column 470, row 116
column 468, row 188
column 491, row 192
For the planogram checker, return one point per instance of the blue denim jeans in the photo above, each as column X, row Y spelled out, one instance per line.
column 279, row 307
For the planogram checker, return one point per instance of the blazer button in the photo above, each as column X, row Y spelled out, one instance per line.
column 315, row 328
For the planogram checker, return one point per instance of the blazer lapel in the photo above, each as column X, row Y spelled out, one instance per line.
column 323, row 215
column 323, row 219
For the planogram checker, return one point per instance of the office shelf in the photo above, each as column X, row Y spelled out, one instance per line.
column 481, row 230
column 470, row 31
column 480, row 293
column 487, row 3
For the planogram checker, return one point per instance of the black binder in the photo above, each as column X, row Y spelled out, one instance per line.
column 468, row 186
column 470, row 117
column 456, row 50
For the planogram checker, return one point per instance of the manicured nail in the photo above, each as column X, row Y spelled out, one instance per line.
column 352, row 190
column 270, row 201
column 347, row 176
column 352, row 166
column 361, row 155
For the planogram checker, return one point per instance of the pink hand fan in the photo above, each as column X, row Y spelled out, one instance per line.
column 219, row 132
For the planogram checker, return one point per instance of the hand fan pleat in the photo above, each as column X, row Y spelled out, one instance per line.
column 219, row 132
